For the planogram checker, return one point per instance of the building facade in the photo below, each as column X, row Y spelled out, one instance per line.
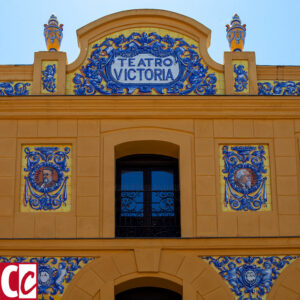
column 146, row 169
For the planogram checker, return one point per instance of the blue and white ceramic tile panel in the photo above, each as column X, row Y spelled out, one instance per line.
column 54, row 273
column 143, row 63
column 46, row 178
column 285, row 88
column 11, row 88
column 245, row 177
column 241, row 78
column 250, row 277
column 48, row 78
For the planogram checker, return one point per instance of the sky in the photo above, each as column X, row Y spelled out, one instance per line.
column 272, row 25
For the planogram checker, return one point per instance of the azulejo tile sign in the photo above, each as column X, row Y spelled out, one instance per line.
column 250, row 277
column 245, row 177
column 46, row 178
column 54, row 273
column 143, row 63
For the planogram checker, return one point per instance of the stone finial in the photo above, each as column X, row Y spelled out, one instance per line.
column 236, row 33
column 53, row 34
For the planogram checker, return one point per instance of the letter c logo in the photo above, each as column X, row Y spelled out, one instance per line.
column 5, row 281
column 23, row 281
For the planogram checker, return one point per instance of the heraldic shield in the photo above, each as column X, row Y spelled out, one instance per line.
column 46, row 178
column 250, row 277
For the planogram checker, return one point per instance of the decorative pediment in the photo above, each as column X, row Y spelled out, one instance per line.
column 144, row 52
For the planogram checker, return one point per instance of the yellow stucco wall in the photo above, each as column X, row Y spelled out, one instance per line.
column 89, row 138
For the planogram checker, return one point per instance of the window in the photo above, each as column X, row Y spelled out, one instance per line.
column 147, row 196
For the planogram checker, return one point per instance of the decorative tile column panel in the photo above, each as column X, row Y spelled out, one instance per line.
column 240, row 76
column 49, row 77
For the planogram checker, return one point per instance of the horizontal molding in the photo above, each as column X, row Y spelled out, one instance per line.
column 152, row 107
column 197, row 246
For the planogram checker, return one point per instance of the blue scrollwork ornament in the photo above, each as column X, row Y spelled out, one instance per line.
column 250, row 277
column 14, row 89
column 12, row 259
column 241, row 78
column 53, row 273
column 245, row 182
column 144, row 63
column 48, row 78
column 46, row 180
column 285, row 88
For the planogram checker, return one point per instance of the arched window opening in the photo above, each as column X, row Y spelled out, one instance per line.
column 148, row 293
column 147, row 196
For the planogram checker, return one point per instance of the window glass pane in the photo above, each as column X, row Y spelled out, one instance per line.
column 163, row 204
column 132, row 204
column 162, row 193
column 132, row 196
column 132, row 180
column 162, row 180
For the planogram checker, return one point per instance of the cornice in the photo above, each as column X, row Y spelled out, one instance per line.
column 198, row 246
column 152, row 107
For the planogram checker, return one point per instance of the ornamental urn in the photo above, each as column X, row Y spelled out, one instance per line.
column 53, row 34
column 236, row 33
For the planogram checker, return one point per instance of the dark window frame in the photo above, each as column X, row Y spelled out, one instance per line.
column 148, row 225
column 153, row 293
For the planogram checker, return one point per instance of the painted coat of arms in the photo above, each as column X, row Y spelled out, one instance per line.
column 46, row 178
column 250, row 277
column 141, row 63
column 245, row 178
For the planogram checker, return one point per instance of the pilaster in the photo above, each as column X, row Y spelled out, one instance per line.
column 59, row 59
column 248, row 61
